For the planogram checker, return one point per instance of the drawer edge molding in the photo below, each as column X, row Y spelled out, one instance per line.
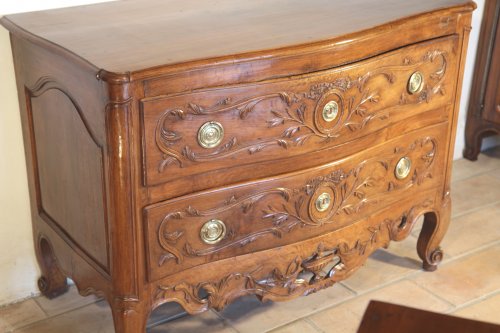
column 353, row 115
column 296, row 206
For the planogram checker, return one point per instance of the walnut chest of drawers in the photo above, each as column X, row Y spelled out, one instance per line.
column 199, row 151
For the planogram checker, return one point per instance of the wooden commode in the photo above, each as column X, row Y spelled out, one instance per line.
column 198, row 151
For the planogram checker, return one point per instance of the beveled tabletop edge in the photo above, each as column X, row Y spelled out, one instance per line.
column 160, row 70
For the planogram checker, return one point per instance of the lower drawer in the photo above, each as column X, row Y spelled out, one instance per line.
column 212, row 225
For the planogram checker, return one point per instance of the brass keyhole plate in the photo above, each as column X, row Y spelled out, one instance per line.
column 403, row 168
column 415, row 83
column 213, row 231
column 323, row 202
column 210, row 134
column 330, row 111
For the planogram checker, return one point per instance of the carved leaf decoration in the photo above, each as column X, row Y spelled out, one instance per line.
column 282, row 143
column 278, row 218
column 300, row 112
column 173, row 236
column 286, row 98
column 256, row 148
column 300, row 140
column 168, row 161
column 196, row 108
column 359, row 194
column 170, row 136
column 231, row 200
column 178, row 113
column 275, row 122
column 192, row 211
column 289, row 132
column 293, row 268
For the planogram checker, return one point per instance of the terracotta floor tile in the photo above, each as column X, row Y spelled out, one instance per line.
column 95, row 318
column 249, row 315
column 19, row 315
column 346, row 317
column 472, row 193
column 66, row 302
column 463, row 169
column 486, row 310
column 207, row 322
column 300, row 326
column 386, row 265
column 464, row 235
column 465, row 279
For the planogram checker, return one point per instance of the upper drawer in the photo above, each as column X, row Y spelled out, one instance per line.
column 192, row 134
column 245, row 218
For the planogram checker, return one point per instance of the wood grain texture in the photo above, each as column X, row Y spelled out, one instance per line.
column 382, row 317
column 279, row 211
column 286, row 115
column 112, row 97
column 149, row 37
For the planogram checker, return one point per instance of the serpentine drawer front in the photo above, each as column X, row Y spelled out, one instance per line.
column 199, row 151
column 283, row 210
column 190, row 134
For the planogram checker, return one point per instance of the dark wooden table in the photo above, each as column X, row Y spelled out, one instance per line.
column 387, row 317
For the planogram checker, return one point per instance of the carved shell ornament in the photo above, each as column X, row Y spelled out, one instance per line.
column 333, row 110
column 339, row 193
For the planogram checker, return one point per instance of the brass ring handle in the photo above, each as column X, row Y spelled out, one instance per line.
column 415, row 83
column 210, row 134
column 403, row 168
column 330, row 111
column 213, row 231
column 323, row 202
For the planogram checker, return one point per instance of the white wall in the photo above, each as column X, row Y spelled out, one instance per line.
column 18, row 270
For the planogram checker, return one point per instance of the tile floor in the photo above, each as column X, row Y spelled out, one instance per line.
column 466, row 284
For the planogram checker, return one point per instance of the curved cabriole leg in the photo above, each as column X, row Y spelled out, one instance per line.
column 53, row 282
column 433, row 231
column 129, row 315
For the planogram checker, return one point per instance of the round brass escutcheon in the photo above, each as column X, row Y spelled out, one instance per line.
column 210, row 134
column 415, row 83
column 323, row 202
column 403, row 168
column 330, row 111
column 213, row 231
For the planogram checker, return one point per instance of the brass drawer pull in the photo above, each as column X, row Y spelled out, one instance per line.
column 323, row 202
column 210, row 134
column 213, row 231
column 415, row 83
column 403, row 168
column 330, row 111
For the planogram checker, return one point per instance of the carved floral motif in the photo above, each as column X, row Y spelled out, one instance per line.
column 296, row 115
column 303, row 275
column 354, row 189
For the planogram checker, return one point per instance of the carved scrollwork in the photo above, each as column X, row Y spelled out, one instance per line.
column 168, row 240
column 437, row 78
column 351, row 191
column 297, row 115
column 304, row 274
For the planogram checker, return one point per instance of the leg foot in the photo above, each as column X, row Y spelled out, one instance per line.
column 129, row 315
column 53, row 282
column 436, row 257
column 433, row 230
